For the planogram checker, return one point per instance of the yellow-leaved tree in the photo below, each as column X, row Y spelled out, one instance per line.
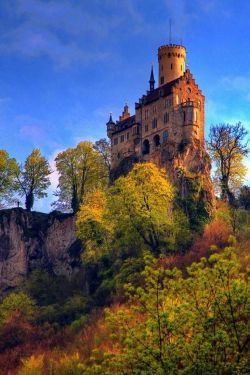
column 135, row 213
column 81, row 170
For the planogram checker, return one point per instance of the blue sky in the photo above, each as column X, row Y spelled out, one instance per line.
column 65, row 64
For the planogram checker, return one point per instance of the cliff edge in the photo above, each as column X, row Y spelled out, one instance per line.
column 31, row 240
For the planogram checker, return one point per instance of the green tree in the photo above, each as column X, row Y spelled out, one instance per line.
column 104, row 148
column 33, row 178
column 8, row 171
column 182, row 325
column 94, row 225
column 227, row 147
column 17, row 302
column 141, row 204
column 244, row 197
column 81, row 170
column 136, row 212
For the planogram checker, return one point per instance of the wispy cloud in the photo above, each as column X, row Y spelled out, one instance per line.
column 36, row 133
column 64, row 31
column 238, row 83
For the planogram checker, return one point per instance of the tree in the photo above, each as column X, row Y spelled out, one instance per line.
column 227, row 147
column 142, row 205
column 136, row 212
column 94, row 225
column 8, row 171
column 104, row 149
column 17, row 303
column 244, row 197
column 33, row 178
column 174, row 324
column 81, row 170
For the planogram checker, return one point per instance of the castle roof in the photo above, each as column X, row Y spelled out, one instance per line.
column 124, row 124
column 155, row 94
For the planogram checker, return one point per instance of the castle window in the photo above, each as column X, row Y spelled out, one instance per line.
column 166, row 117
column 168, row 103
column 146, row 114
column 169, row 54
column 154, row 109
column 154, row 123
column 162, row 80
column 127, row 136
column 145, row 147
column 184, row 117
column 115, row 141
column 171, row 66
column 146, row 128
column 165, row 136
column 122, row 138
column 190, row 116
column 156, row 140
column 195, row 116
column 136, row 130
column 177, row 99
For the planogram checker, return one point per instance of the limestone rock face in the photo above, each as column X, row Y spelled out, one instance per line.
column 30, row 240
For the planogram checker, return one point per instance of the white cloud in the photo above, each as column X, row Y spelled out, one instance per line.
column 66, row 32
column 54, row 177
column 238, row 83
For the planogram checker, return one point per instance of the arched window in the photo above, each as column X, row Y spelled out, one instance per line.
column 165, row 136
column 156, row 140
column 145, row 147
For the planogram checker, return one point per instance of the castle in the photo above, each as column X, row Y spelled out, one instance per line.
column 168, row 125
column 171, row 114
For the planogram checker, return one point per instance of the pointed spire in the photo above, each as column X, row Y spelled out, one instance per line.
column 152, row 80
column 110, row 126
column 110, row 121
column 110, row 117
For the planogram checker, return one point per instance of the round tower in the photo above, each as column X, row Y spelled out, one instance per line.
column 171, row 59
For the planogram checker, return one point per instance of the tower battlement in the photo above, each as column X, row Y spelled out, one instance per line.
column 171, row 60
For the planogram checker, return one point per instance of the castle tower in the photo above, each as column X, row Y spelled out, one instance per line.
column 171, row 59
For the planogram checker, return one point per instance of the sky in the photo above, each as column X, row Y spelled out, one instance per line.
column 65, row 64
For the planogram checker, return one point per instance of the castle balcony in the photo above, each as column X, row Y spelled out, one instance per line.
column 190, row 103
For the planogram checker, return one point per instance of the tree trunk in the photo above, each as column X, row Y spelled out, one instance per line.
column 29, row 201
column 74, row 201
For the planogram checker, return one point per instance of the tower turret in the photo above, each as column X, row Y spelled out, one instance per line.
column 171, row 59
column 152, row 80
column 110, row 126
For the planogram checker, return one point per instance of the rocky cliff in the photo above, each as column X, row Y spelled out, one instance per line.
column 36, row 240
column 186, row 164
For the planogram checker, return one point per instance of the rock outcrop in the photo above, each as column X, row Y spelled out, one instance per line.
column 31, row 240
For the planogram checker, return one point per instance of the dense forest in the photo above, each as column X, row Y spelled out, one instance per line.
column 164, row 286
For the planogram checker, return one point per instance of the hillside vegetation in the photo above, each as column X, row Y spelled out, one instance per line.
column 164, row 283
column 161, row 299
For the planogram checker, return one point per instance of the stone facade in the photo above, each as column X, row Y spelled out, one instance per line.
column 166, row 118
